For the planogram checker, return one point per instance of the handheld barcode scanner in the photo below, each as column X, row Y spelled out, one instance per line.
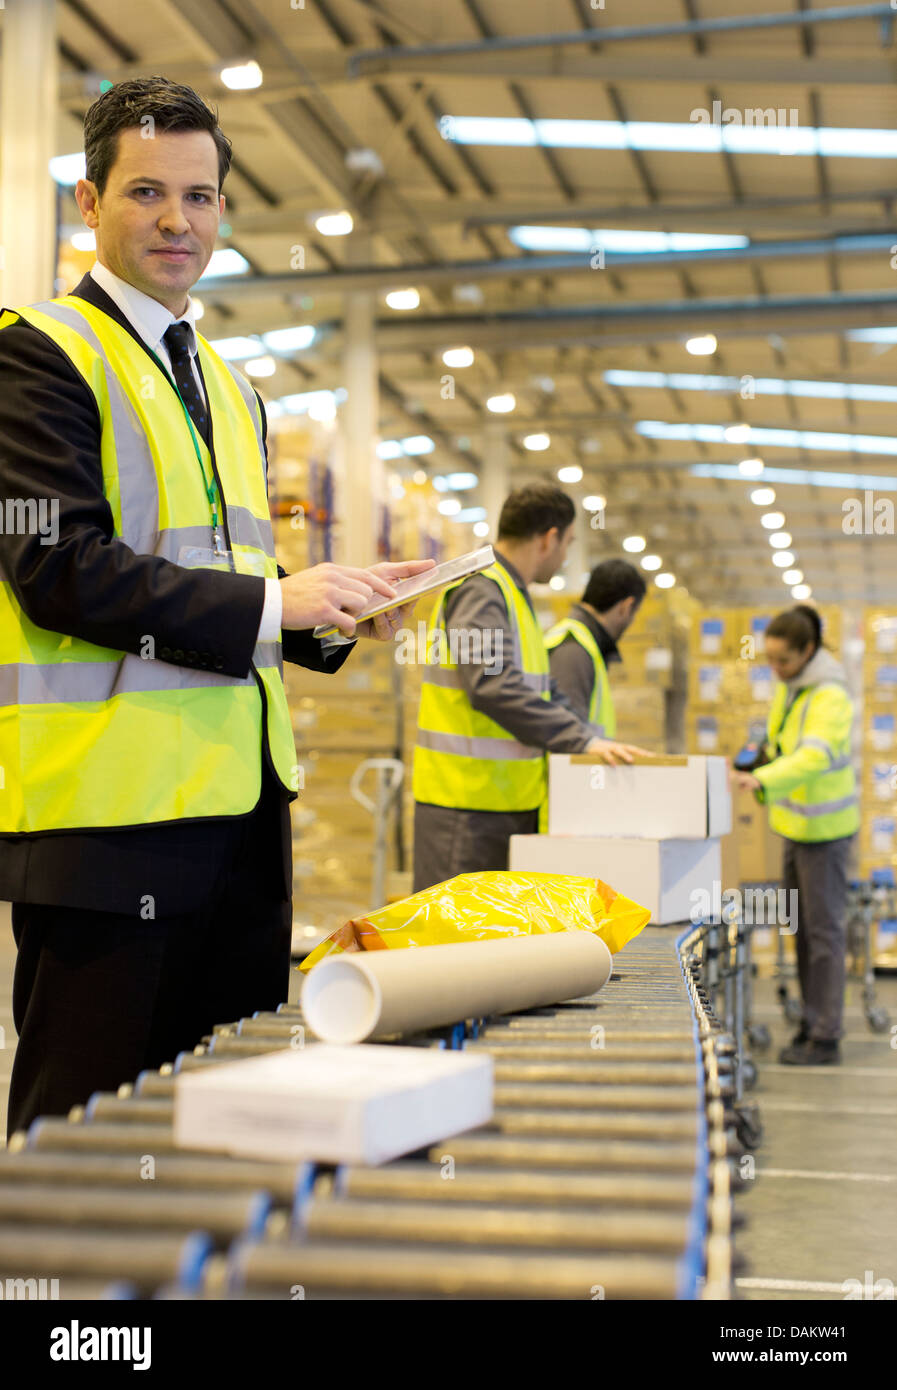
column 752, row 754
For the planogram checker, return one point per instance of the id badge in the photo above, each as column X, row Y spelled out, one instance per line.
column 194, row 557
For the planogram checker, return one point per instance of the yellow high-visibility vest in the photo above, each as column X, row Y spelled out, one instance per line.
column 91, row 737
column 816, row 799
column 464, row 759
column 601, row 705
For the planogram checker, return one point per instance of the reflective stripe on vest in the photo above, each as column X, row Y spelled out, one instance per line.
column 92, row 737
column 826, row 806
column 601, row 705
column 464, row 759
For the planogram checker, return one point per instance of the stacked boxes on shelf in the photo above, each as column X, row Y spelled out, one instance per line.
column 878, row 832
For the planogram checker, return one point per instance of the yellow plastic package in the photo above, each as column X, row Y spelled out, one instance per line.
column 479, row 907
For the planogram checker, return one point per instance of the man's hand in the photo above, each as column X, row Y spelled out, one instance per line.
column 610, row 752
column 384, row 627
column 329, row 593
column 746, row 781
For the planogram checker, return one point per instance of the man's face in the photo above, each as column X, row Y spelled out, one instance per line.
column 555, row 552
column 157, row 219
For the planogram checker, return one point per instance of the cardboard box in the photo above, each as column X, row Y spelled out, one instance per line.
column 359, row 1104
column 664, row 798
column 759, row 849
column 669, row 877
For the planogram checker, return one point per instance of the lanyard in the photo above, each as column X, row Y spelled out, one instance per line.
column 210, row 485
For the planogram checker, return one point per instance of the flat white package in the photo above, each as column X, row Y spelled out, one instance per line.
column 355, row 1104
column 666, row 876
column 674, row 798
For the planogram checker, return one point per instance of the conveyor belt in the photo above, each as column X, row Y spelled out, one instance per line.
column 606, row 1171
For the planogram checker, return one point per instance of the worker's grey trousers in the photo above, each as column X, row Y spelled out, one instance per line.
column 819, row 874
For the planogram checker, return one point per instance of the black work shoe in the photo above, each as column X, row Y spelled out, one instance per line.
column 811, row 1054
column 801, row 1036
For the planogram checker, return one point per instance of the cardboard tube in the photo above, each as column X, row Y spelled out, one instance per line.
column 365, row 994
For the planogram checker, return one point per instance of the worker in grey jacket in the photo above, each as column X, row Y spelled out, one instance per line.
column 489, row 712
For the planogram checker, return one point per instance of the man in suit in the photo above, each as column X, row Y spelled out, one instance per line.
column 145, row 740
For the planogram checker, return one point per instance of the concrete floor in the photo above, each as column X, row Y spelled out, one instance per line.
column 822, row 1207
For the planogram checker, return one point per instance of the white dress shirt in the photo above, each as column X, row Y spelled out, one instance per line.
column 151, row 320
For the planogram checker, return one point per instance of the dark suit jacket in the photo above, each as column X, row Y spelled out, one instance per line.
column 93, row 586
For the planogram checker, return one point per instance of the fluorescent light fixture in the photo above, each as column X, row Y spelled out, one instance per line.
column 751, row 468
column 389, row 449
column 557, row 581
column 783, row 559
column 83, row 241
column 225, row 261
column 688, row 137
column 773, row 521
column 620, row 241
column 449, row 506
column 665, row 581
column 801, row 591
column 701, row 346
column 235, row 349
column 242, row 77
column 334, row 223
column 571, row 473
column 793, row 576
column 481, row 528
column 763, row 497
column 737, row 434
column 273, row 410
column 198, row 307
column 415, row 444
column 760, row 386
column 651, row 562
column 870, row 335
column 776, row 439
column 260, row 366
column 503, row 404
column 537, row 442
column 802, row 477
column 469, row 515
column 780, row 540
column 67, row 169
column 290, row 339
column 460, row 482
column 595, row 502
column 458, row 357
column 634, row 544
column 419, row 477
column 316, row 404
column 403, row 299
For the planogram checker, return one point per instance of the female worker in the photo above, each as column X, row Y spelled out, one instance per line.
column 807, row 780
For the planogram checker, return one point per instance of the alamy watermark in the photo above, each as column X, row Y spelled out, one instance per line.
column 756, row 907
column 31, row 516
column 461, row 647
column 717, row 114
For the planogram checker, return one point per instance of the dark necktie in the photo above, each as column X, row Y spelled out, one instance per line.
column 176, row 338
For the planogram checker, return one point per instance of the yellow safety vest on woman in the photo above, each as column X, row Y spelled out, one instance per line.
column 810, row 786
column 464, row 759
column 91, row 737
column 601, row 705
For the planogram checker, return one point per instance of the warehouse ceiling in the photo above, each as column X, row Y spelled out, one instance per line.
column 368, row 107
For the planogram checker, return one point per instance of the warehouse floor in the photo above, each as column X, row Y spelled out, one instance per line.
column 822, row 1206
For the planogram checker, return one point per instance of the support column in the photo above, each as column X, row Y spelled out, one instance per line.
column 28, row 107
column 362, row 492
column 495, row 484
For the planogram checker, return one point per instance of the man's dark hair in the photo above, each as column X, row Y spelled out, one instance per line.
column 172, row 108
column 532, row 510
column 612, row 581
column 798, row 626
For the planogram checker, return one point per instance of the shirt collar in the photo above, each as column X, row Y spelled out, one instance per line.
column 606, row 644
column 149, row 318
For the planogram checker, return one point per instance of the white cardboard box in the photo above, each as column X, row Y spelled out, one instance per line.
column 365, row 1103
column 663, row 875
column 672, row 798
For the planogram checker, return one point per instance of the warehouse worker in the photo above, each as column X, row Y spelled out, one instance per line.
column 581, row 647
column 145, row 739
column 809, row 784
column 489, row 710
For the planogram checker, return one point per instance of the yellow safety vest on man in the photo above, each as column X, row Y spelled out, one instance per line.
column 92, row 737
column 463, row 759
column 810, row 786
column 601, row 704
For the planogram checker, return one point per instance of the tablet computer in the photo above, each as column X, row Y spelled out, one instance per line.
column 419, row 584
